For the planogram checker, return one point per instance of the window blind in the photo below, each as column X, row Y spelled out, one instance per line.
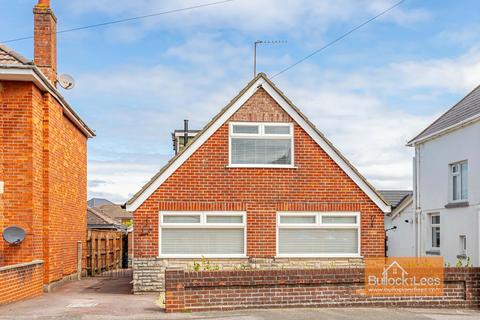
column 202, row 241
column 318, row 241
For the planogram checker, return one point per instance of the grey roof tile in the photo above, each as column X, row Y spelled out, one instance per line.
column 12, row 58
column 395, row 197
column 466, row 108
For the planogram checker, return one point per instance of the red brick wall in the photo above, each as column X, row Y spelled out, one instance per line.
column 20, row 282
column 226, row 290
column 204, row 182
column 65, row 192
column 43, row 165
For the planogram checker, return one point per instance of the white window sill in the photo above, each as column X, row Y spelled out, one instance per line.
column 318, row 256
column 196, row 256
column 271, row 166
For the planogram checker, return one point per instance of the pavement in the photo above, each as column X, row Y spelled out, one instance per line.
column 107, row 298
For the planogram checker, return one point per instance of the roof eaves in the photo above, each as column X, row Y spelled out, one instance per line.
column 197, row 136
column 419, row 137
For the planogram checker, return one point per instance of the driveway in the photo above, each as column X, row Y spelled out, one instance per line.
column 105, row 298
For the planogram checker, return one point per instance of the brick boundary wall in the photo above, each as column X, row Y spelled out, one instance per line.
column 338, row 287
column 21, row 281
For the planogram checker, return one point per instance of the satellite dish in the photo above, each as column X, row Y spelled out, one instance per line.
column 13, row 235
column 66, row 81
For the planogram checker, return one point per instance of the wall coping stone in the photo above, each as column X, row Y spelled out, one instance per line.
column 21, row 265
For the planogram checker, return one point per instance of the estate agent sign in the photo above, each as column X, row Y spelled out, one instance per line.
column 402, row 276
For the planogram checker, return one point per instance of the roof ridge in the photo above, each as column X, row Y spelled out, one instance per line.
column 262, row 76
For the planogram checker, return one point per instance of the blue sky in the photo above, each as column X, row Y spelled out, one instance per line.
column 369, row 94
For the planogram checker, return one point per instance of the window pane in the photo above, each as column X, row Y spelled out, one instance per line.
column 435, row 219
column 181, row 219
column 464, row 178
column 224, row 219
column 456, row 189
column 297, row 219
column 318, row 241
column 436, row 237
column 277, row 129
column 249, row 129
column 339, row 219
column 202, row 241
column 261, row 151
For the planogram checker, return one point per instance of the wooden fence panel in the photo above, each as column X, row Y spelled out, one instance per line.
column 104, row 251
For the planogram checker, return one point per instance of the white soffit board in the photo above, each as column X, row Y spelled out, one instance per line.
column 227, row 114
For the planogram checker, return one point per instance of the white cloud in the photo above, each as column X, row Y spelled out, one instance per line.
column 256, row 16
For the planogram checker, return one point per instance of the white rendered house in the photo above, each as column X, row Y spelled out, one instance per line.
column 447, row 184
column 399, row 226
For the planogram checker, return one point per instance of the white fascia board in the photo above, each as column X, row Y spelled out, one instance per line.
column 228, row 113
column 329, row 150
column 28, row 74
column 445, row 130
column 404, row 205
column 193, row 147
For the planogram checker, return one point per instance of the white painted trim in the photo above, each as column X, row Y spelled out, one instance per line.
column 403, row 206
column 261, row 135
column 202, row 225
column 319, row 225
column 444, row 131
column 28, row 74
column 226, row 115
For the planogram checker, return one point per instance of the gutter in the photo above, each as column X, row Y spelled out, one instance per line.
column 444, row 131
column 33, row 74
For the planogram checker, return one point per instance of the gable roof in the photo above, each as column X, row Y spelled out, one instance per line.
column 395, row 197
column 260, row 81
column 465, row 111
column 15, row 67
column 97, row 220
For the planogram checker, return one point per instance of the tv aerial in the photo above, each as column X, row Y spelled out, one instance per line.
column 66, row 81
column 255, row 44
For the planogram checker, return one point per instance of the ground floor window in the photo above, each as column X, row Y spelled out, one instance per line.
column 318, row 234
column 202, row 234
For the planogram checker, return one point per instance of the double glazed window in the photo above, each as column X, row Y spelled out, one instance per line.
column 318, row 234
column 459, row 181
column 435, row 225
column 197, row 234
column 261, row 144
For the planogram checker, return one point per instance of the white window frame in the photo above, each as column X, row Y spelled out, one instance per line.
column 435, row 225
column 202, row 225
column 458, row 174
column 319, row 225
column 261, row 135
column 463, row 244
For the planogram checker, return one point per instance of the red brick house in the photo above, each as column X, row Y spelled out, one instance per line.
column 43, row 168
column 258, row 187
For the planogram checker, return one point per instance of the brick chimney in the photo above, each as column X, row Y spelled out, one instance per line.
column 45, row 40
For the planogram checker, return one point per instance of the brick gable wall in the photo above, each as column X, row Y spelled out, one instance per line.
column 204, row 182
column 43, row 165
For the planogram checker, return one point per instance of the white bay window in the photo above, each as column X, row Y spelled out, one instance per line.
column 261, row 144
column 202, row 234
column 318, row 234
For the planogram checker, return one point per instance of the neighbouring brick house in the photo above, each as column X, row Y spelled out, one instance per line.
column 43, row 168
column 258, row 187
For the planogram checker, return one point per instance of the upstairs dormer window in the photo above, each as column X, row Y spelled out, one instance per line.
column 261, row 144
